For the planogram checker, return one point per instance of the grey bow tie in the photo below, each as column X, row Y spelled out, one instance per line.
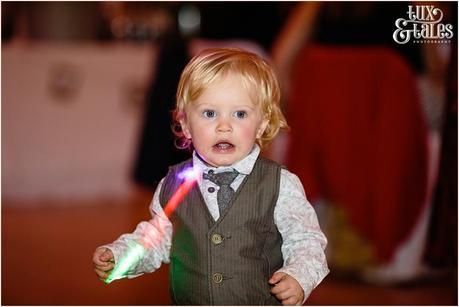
column 223, row 180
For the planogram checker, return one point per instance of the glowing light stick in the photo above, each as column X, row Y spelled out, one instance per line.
column 137, row 250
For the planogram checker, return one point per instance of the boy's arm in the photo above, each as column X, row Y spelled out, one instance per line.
column 303, row 242
column 156, row 233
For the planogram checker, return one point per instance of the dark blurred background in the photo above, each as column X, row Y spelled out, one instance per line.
column 87, row 94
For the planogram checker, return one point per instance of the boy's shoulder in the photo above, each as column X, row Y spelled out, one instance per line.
column 271, row 162
column 173, row 179
column 181, row 166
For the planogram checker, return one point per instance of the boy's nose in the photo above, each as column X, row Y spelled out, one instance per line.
column 224, row 126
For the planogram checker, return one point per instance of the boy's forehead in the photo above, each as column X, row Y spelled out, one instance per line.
column 231, row 85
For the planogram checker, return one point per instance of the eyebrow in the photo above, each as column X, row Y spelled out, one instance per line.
column 205, row 104
column 246, row 106
column 210, row 105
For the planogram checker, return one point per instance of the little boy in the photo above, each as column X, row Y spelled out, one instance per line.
column 245, row 234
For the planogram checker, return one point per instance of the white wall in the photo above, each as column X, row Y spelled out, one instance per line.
column 83, row 146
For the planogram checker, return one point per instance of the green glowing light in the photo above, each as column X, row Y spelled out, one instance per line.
column 136, row 251
column 134, row 254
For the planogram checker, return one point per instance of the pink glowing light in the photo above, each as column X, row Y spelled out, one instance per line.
column 191, row 176
column 137, row 251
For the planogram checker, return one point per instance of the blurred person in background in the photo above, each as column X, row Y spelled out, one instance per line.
column 368, row 25
column 441, row 249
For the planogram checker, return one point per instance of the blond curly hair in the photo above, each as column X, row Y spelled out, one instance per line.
column 256, row 74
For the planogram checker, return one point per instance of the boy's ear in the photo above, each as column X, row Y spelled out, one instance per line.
column 262, row 128
column 185, row 128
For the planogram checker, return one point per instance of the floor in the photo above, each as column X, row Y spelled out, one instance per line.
column 47, row 248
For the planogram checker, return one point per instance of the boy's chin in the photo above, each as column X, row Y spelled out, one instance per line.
column 221, row 161
column 209, row 161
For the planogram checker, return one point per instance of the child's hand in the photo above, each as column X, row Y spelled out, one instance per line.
column 286, row 289
column 103, row 262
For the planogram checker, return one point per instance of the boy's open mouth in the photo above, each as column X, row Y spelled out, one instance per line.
column 223, row 146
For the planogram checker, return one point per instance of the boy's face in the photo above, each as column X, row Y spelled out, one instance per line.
column 224, row 122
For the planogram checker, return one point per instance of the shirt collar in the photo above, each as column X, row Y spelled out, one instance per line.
column 243, row 166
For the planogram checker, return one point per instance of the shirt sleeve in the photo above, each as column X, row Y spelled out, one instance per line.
column 303, row 247
column 156, row 234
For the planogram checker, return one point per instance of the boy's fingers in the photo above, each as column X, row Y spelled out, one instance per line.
column 278, row 276
column 107, row 255
column 96, row 256
column 97, row 261
column 285, row 294
column 102, row 256
column 107, row 266
column 101, row 274
column 279, row 288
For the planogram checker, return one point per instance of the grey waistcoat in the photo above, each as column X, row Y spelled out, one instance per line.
column 229, row 261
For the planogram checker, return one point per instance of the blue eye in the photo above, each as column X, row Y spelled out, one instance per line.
column 240, row 114
column 209, row 113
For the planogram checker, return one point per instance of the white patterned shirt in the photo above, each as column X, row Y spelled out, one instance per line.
column 303, row 243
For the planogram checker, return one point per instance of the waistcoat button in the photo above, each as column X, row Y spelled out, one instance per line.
column 217, row 278
column 216, row 238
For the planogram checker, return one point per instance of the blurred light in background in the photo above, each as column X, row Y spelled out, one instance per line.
column 189, row 20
